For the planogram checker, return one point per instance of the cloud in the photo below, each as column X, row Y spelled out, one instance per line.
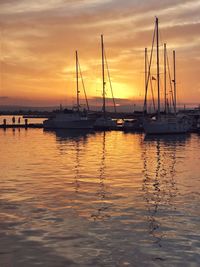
column 39, row 39
column 3, row 97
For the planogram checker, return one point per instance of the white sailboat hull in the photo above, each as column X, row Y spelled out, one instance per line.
column 104, row 124
column 68, row 121
column 166, row 126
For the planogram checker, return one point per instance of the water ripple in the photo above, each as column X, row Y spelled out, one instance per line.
column 99, row 199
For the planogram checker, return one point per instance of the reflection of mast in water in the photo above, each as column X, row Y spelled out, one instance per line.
column 64, row 140
column 101, row 211
column 102, row 171
column 159, row 184
column 77, row 166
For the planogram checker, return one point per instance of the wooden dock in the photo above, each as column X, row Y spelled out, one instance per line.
column 26, row 126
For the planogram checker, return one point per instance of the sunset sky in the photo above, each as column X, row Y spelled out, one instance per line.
column 39, row 39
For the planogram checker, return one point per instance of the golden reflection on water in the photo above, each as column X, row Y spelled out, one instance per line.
column 102, row 196
column 102, row 210
column 159, row 184
column 79, row 140
column 77, row 165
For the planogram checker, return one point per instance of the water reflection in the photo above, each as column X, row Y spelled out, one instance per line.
column 74, row 145
column 68, row 138
column 63, row 135
column 159, row 184
column 177, row 139
column 101, row 213
column 77, row 166
column 77, row 138
column 58, row 189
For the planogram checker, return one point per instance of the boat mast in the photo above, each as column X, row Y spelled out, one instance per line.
column 158, row 66
column 77, row 85
column 103, row 77
column 145, row 66
column 174, row 80
column 145, row 82
column 165, row 76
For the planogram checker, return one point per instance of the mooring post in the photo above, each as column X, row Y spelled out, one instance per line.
column 4, row 123
column 26, row 123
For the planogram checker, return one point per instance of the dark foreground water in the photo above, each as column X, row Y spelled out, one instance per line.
column 98, row 199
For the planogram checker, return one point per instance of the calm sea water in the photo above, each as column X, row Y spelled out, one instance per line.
column 98, row 199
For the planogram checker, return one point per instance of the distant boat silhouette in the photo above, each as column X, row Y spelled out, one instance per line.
column 71, row 119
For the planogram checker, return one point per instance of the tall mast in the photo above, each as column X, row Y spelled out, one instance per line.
column 145, row 82
column 145, row 66
column 77, row 85
column 174, row 80
column 149, row 69
column 158, row 66
column 103, row 77
column 165, row 76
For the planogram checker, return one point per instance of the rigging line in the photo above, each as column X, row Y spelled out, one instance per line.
column 147, row 82
column 170, row 79
column 153, row 100
column 86, row 99
column 161, row 91
column 110, row 82
column 161, row 38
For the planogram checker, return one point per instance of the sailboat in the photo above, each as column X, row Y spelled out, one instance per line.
column 164, row 123
column 71, row 118
column 104, row 122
